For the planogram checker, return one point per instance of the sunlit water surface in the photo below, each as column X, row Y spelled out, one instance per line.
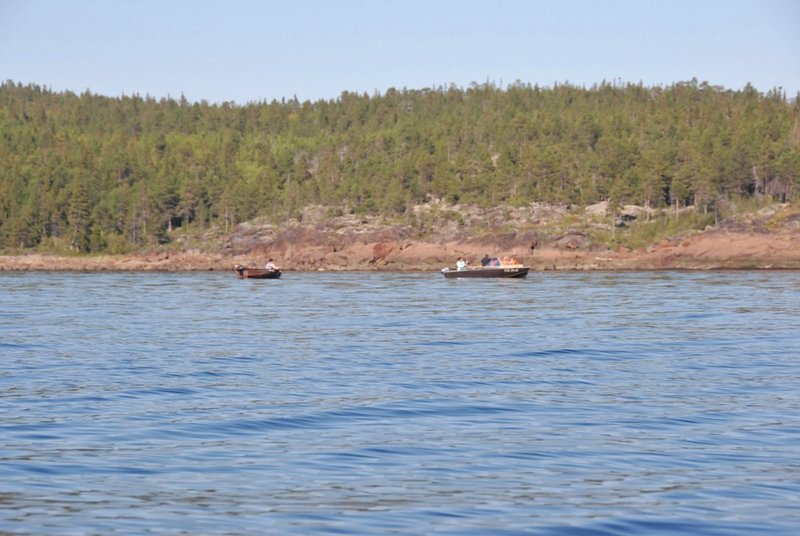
column 599, row 403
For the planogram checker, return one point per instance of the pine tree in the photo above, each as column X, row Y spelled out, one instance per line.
column 78, row 218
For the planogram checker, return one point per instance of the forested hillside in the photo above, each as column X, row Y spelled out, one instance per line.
column 93, row 173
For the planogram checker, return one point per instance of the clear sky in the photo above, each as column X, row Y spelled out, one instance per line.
column 251, row 50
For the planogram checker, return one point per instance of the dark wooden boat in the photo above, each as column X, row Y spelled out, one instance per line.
column 255, row 273
column 487, row 271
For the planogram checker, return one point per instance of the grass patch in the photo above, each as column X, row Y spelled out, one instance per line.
column 641, row 234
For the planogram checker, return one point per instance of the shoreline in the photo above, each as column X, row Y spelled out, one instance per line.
column 768, row 239
column 701, row 252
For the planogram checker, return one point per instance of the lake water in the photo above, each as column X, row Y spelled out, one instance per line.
column 370, row 403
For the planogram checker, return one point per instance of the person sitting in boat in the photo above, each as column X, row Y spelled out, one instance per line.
column 271, row 266
column 461, row 264
column 485, row 260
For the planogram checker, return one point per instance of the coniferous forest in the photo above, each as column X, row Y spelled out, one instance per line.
column 100, row 174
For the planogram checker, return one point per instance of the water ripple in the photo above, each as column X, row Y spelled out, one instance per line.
column 596, row 404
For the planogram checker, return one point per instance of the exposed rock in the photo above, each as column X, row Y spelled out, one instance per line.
column 382, row 250
column 635, row 211
column 765, row 239
column 598, row 209
column 572, row 241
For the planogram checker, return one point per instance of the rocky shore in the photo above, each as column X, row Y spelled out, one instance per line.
column 769, row 239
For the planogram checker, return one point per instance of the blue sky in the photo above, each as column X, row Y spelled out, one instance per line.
column 248, row 50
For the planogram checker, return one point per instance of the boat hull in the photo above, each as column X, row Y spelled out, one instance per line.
column 502, row 272
column 255, row 273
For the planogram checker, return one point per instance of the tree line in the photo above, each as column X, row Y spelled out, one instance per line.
column 96, row 173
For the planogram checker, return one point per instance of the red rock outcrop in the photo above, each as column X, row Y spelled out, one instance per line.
column 767, row 240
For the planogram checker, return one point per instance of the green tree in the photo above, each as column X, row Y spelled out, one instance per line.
column 79, row 218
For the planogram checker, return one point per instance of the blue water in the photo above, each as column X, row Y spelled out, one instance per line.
column 588, row 404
